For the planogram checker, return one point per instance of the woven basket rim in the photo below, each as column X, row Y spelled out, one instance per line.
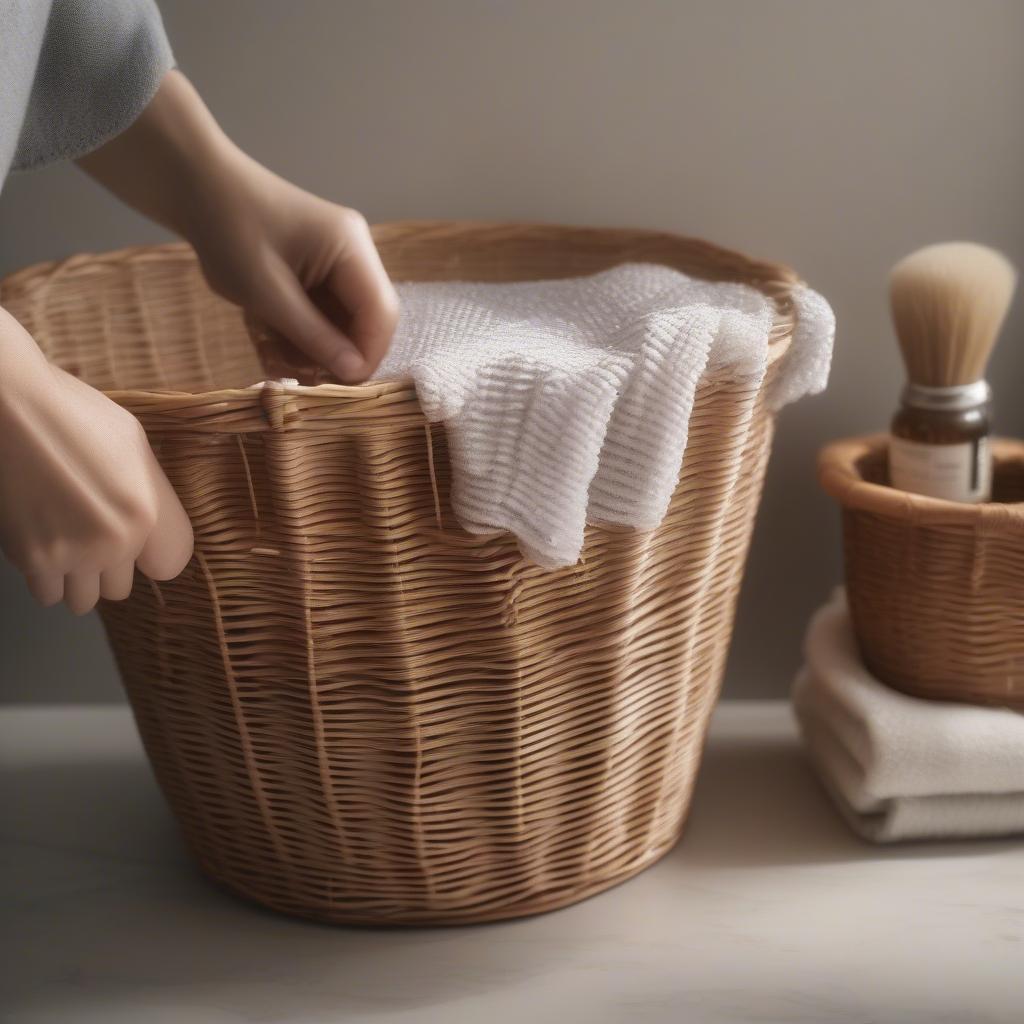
column 774, row 280
column 839, row 473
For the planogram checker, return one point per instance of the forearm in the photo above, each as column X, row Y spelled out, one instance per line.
column 263, row 243
column 174, row 163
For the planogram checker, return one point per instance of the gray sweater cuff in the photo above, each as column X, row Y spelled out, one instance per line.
column 101, row 63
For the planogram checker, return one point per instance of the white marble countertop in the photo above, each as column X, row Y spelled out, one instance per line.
column 767, row 911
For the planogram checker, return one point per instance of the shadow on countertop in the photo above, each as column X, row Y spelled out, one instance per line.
column 759, row 804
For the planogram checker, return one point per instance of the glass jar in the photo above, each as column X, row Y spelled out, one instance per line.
column 939, row 444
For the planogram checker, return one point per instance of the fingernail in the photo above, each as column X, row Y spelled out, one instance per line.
column 348, row 365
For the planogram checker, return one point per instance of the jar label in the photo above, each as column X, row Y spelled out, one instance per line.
column 956, row 472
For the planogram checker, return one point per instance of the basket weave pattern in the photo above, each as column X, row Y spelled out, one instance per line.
column 358, row 711
column 935, row 588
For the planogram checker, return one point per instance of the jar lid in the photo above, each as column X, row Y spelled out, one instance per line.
column 949, row 399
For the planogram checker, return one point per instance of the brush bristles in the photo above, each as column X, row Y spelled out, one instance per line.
column 948, row 304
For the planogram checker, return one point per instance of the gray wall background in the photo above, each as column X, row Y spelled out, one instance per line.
column 835, row 136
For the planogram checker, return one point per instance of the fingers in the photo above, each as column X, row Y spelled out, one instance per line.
column 290, row 311
column 46, row 588
column 116, row 582
column 168, row 547
column 165, row 553
column 349, row 326
column 81, row 591
column 360, row 283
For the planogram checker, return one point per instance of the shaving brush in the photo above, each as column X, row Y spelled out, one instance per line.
column 948, row 302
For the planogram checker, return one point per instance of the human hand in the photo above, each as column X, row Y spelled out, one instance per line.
column 305, row 266
column 302, row 265
column 83, row 500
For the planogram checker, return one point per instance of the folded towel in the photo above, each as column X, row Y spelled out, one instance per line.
column 899, row 767
column 569, row 401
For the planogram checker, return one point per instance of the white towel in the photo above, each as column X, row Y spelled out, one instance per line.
column 569, row 401
column 900, row 767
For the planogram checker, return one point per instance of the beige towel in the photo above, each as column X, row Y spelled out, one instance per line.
column 899, row 767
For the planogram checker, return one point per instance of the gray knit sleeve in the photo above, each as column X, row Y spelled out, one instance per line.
column 100, row 64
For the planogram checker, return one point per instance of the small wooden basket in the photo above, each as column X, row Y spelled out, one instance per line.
column 359, row 711
column 935, row 588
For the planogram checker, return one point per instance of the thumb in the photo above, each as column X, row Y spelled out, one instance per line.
column 286, row 307
column 168, row 547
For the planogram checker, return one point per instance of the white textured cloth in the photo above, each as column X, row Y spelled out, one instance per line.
column 900, row 767
column 568, row 401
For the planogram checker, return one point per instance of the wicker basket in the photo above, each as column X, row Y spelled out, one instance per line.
column 936, row 588
column 358, row 711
